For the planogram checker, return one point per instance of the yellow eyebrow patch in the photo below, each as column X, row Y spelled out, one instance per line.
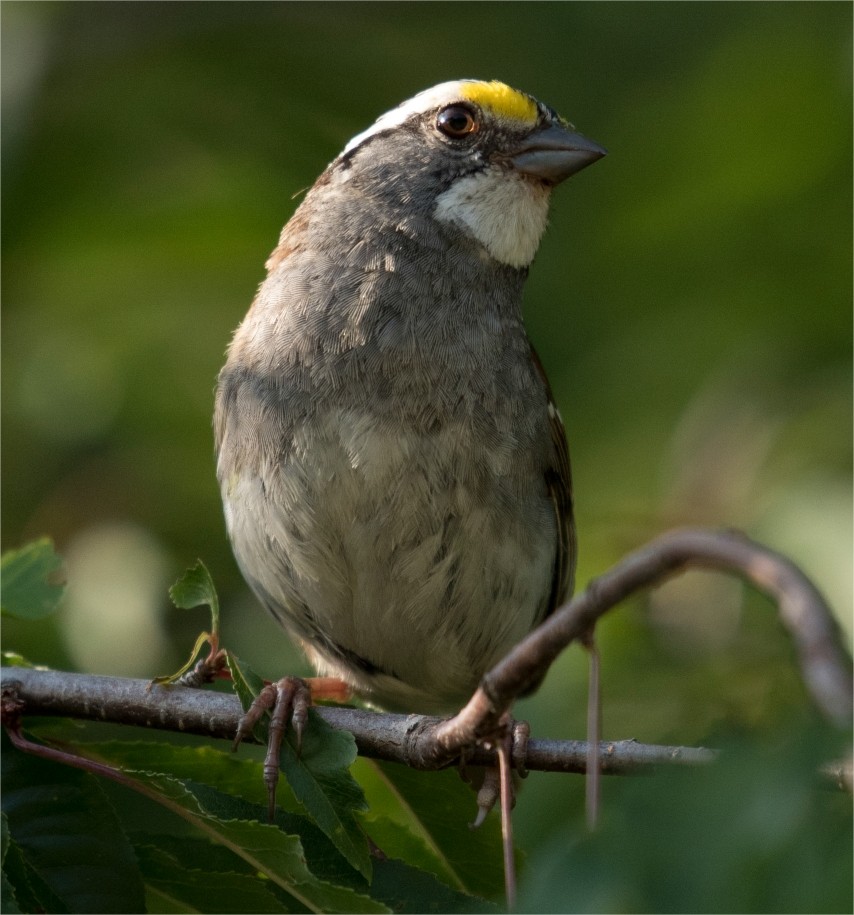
column 501, row 100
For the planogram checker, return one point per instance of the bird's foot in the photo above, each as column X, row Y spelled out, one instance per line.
column 510, row 743
column 512, row 740
column 287, row 700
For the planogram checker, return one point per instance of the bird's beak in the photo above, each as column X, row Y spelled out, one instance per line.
column 554, row 153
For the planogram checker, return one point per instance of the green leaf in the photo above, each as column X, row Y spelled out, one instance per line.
column 13, row 659
column 303, row 863
column 319, row 775
column 205, row 890
column 322, row 857
column 247, row 684
column 231, row 788
column 194, row 588
column 8, row 900
column 407, row 889
column 21, row 889
column 223, row 770
column 7, row 891
column 275, row 855
column 163, row 904
column 68, row 836
column 320, row 778
column 436, row 809
column 32, row 582
column 193, row 852
column 398, row 840
column 202, row 639
column 16, row 892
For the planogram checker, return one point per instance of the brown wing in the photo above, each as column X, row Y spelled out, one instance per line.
column 559, row 484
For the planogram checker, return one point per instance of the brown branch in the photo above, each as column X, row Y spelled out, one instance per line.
column 825, row 665
column 378, row 735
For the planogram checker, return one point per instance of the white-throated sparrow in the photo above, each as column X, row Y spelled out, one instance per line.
column 394, row 472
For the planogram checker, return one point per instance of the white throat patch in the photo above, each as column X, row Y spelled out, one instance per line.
column 503, row 211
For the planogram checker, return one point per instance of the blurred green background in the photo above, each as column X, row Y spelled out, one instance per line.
column 691, row 302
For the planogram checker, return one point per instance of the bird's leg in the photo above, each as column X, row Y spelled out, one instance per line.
column 504, row 749
column 329, row 689
column 519, row 733
column 287, row 700
column 510, row 747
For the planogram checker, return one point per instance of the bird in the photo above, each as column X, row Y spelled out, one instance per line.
column 394, row 471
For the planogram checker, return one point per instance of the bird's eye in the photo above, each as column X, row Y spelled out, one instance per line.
column 456, row 121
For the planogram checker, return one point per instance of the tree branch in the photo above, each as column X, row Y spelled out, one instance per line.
column 378, row 735
column 825, row 664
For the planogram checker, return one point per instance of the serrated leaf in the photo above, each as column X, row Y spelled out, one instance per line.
column 230, row 788
column 30, row 892
column 274, row 854
column 205, row 890
column 437, row 807
column 220, row 769
column 195, row 588
column 8, row 899
column 217, row 815
column 193, row 852
column 323, row 858
column 68, row 836
column 319, row 774
column 31, row 582
column 15, row 885
column 320, row 779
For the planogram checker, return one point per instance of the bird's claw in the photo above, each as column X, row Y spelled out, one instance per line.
column 487, row 796
column 287, row 700
column 512, row 738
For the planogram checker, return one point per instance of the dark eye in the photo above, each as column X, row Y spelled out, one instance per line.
column 456, row 121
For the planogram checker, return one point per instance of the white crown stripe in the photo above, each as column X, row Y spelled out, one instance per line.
column 429, row 98
column 443, row 94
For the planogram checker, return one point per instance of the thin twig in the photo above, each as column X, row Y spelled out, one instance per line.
column 503, row 749
column 825, row 665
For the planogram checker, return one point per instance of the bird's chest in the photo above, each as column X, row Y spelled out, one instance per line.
column 409, row 470
column 418, row 404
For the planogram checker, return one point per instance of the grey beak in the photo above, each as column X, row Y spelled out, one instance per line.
column 554, row 153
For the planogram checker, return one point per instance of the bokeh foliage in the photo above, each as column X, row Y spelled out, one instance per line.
column 692, row 303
